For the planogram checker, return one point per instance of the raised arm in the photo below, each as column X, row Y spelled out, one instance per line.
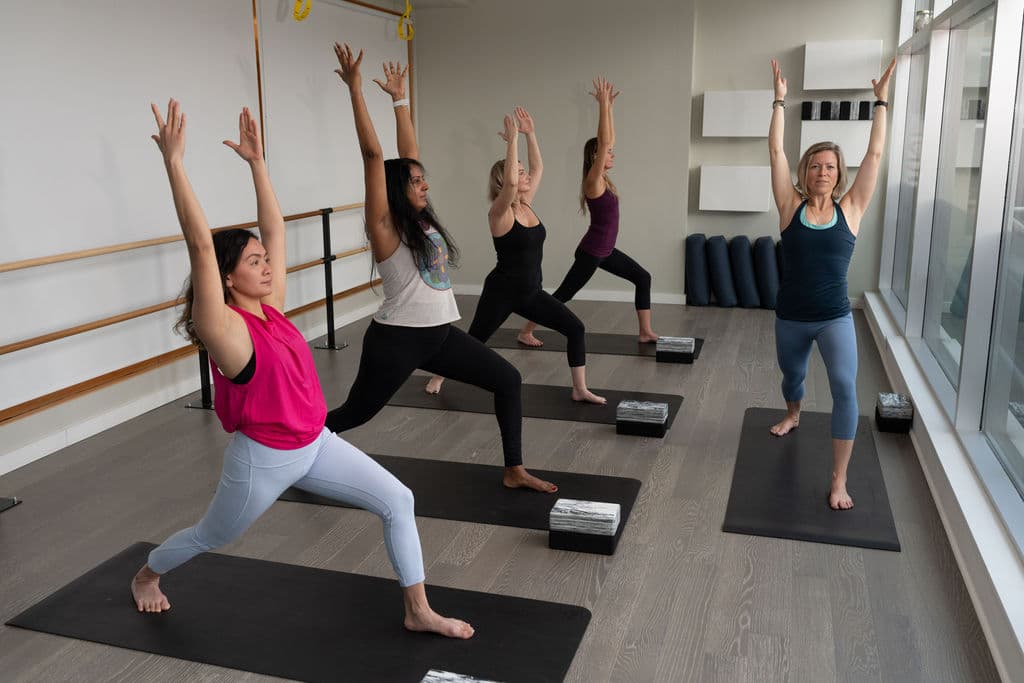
column 536, row 170
column 786, row 196
column 499, row 217
column 221, row 330
column 394, row 85
column 379, row 227
column 594, row 185
column 268, row 212
column 857, row 199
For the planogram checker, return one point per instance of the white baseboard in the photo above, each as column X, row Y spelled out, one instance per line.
column 77, row 420
column 593, row 295
column 988, row 558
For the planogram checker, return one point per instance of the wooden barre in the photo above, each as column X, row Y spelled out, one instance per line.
column 138, row 313
column 156, row 241
column 40, row 403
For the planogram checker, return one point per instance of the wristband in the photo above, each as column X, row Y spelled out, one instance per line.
column 779, row 103
column 404, row 102
column 881, row 103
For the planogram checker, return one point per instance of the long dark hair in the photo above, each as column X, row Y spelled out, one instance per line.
column 408, row 220
column 589, row 152
column 228, row 246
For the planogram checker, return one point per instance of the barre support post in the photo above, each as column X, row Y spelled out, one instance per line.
column 204, row 383
column 329, row 258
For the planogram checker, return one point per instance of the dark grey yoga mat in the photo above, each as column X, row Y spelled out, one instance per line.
column 780, row 485
column 539, row 400
column 469, row 492
column 309, row 624
column 597, row 342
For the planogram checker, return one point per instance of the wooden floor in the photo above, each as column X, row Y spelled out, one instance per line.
column 680, row 601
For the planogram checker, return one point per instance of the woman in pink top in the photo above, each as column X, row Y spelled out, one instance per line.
column 268, row 393
column 597, row 248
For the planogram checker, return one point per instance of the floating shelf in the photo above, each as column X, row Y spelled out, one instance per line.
column 736, row 113
column 735, row 188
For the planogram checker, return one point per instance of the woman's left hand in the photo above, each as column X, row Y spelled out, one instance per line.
column 249, row 145
column 510, row 131
column 524, row 121
column 394, row 76
column 881, row 85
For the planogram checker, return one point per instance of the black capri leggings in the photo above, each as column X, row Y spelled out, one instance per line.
column 391, row 353
column 503, row 296
column 616, row 263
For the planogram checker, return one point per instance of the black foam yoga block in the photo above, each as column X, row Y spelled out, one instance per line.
column 742, row 260
column 806, row 110
column 640, row 428
column 766, row 271
column 896, row 425
column 582, row 543
column 673, row 357
column 698, row 286
column 721, row 273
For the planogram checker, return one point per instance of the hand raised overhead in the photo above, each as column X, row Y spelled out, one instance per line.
column 779, row 81
column 603, row 90
column 170, row 137
column 394, row 83
column 511, row 131
column 524, row 121
column 881, row 85
column 249, row 145
column 349, row 70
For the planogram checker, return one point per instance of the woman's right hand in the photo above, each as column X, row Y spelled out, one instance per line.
column 349, row 70
column 511, row 130
column 170, row 137
column 780, row 82
column 603, row 91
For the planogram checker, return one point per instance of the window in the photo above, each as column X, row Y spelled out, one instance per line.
column 909, row 176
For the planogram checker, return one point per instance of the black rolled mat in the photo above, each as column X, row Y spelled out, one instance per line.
column 8, row 503
column 780, row 485
column 309, row 624
column 539, row 400
column 597, row 342
column 468, row 492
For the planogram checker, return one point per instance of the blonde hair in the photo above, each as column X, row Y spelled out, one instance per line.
column 497, row 179
column 841, row 178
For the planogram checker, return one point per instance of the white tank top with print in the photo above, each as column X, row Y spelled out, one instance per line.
column 417, row 295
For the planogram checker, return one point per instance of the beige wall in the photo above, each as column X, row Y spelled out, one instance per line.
column 476, row 62
column 734, row 42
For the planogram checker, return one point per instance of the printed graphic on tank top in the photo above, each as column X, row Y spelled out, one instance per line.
column 435, row 271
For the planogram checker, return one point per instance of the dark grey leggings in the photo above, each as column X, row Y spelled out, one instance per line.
column 503, row 296
column 616, row 263
column 391, row 353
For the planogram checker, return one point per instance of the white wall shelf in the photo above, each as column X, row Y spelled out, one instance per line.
column 736, row 113
column 851, row 136
column 735, row 188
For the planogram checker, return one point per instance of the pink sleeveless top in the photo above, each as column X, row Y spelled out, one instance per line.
column 282, row 405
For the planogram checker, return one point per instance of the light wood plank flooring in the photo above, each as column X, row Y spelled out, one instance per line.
column 680, row 601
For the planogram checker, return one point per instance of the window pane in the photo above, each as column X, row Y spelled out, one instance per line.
column 909, row 176
column 957, row 188
column 1004, row 393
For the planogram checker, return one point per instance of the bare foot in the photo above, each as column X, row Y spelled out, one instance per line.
column 147, row 593
column 588, row 396
column 527, row 339
column 648, row 337
column 434, row 385
column 432, row 622
column 789, row 423
column 519, row 478
column 838, row 498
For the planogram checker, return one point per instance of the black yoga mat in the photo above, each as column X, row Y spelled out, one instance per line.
column 309, row 624
column 780, row 485
column 539, row 400
column 468, row 492
column 597, row 342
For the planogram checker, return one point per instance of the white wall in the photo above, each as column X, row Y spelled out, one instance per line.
column 475, row 63
column 734, row 43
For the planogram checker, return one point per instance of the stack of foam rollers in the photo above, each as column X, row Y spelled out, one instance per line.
column 734, row 273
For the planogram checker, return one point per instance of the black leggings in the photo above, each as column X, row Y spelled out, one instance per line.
column 616, row 263
column 391, row 353
column 503, row 296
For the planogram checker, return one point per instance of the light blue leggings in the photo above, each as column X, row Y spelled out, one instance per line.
column 255, row 475
column 837, row 343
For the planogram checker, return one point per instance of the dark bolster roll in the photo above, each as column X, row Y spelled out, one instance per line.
column 721, row 274
column 698, row 287
column 766, row 271
column 742, row 261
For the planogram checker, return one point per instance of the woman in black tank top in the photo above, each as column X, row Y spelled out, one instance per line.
column 514, row 286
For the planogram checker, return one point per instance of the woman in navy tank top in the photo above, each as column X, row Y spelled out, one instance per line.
column 514, row 286
column 819, row 226
column 597, row 248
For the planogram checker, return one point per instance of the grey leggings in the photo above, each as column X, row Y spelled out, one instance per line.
column 255, row 475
